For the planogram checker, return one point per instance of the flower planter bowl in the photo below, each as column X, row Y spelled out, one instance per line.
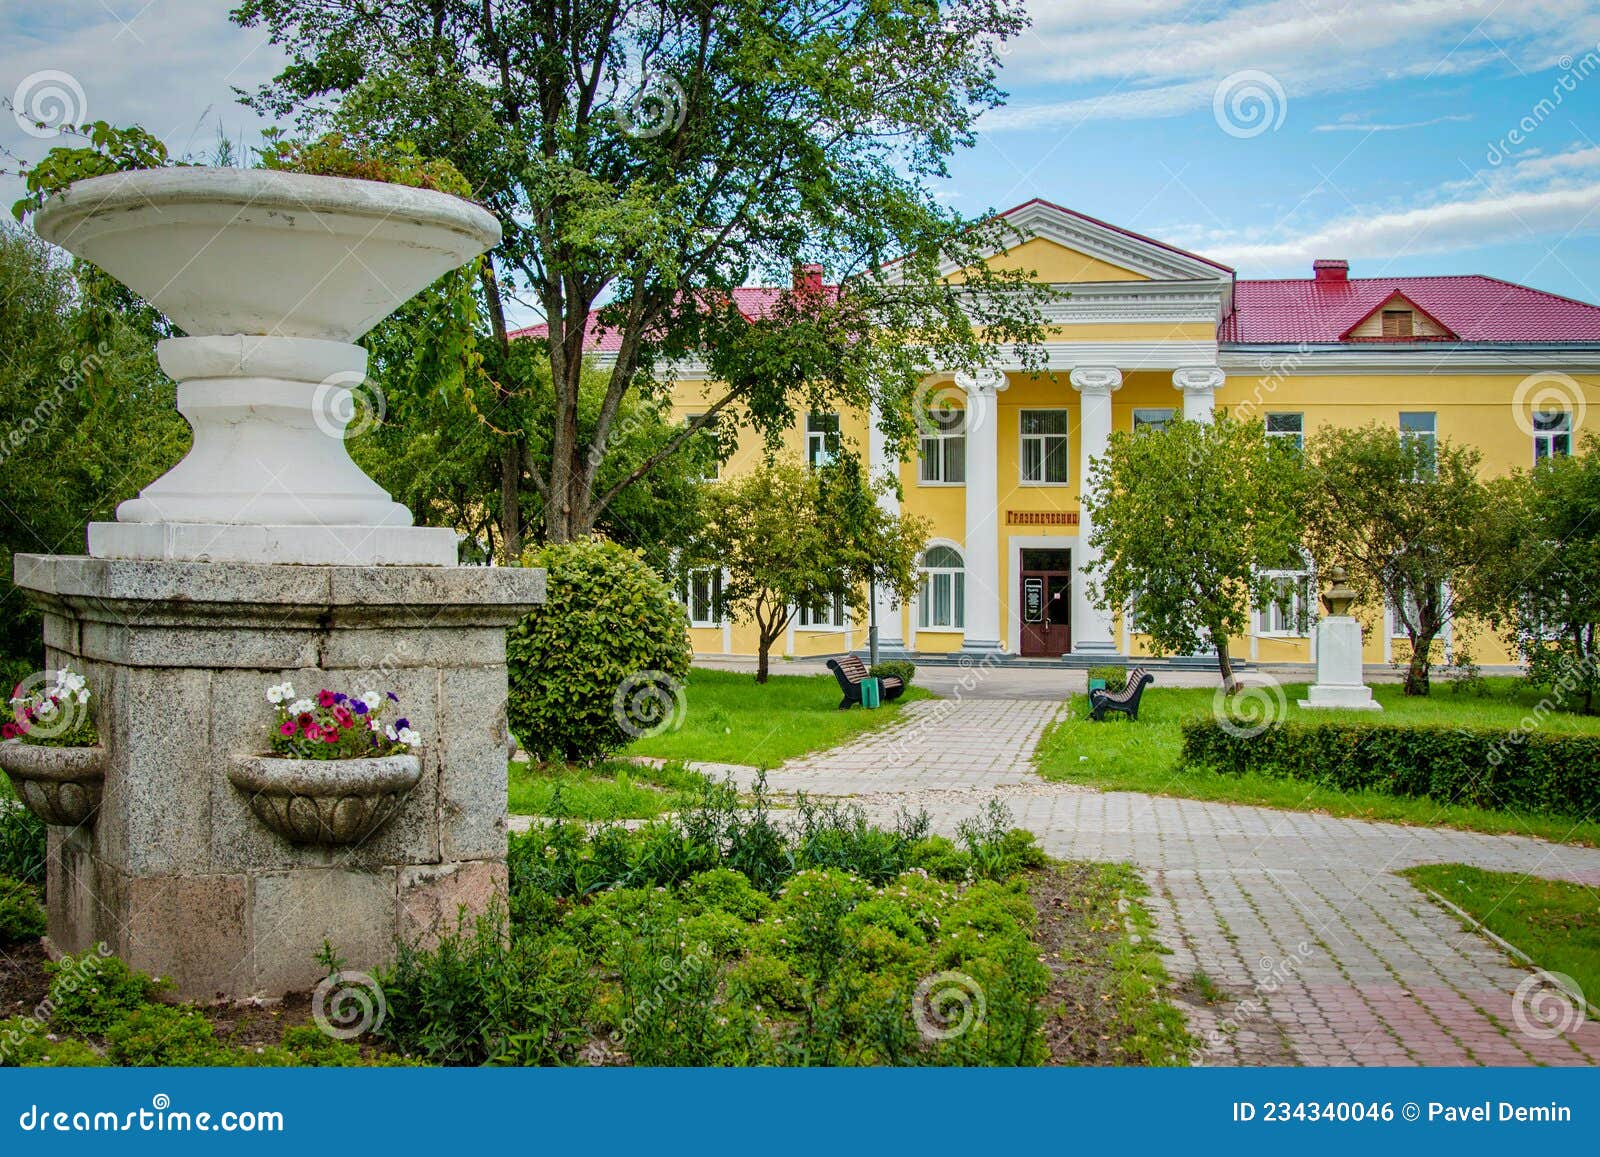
column 60, row 785
column 325, row 802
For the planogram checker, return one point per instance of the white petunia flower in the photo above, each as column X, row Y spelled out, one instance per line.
column 409, row 737
column 373, row 700
column 301, row 706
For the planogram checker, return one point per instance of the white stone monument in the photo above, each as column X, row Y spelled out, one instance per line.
column 267, row 555
column 1339, row 675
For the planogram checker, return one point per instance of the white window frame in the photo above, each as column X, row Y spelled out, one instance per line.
column 954, row 579
column 1299, row 435
column 1544, row 439
column 1143, row 418
column 1304, row 596
column 1044, row 440
column 936, row 448
column 1429, row 436
column 818, row 450
column 837, row 615
column 714, row 596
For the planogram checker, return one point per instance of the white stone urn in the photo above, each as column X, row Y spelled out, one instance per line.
column 326, row 802
column 60, row 785
column 273, row 276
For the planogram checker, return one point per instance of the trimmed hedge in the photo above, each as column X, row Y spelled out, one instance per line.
column 1115, row 678
column 1477, row 767
column 902, row 669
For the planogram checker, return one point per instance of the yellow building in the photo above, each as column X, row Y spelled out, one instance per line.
column 1147, row 332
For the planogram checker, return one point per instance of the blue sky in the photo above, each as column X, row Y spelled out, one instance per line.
column 1260, row 133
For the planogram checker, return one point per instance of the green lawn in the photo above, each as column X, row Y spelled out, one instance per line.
column 1554, row 922
column 1142, row 756
column 615, row 790
column 730, row 718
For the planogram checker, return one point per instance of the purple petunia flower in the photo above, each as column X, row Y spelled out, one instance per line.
column 392, row 696
column 401, row 723
column 358, row 706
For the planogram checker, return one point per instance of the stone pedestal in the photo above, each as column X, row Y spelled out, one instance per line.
column 174, row 872
column 1339, row 682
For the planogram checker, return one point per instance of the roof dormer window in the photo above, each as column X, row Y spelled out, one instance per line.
column 1398, row 324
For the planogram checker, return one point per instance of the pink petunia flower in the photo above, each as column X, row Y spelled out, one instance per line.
column 330, row 737
column 286, row 728
column 344, row 717
column 325, row 698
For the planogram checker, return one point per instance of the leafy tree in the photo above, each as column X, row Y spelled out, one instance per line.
column 786, row 536
column 1541, row 583
column 646, row 159
column 1406, row 519
column 83, row 424
column 1185, row 520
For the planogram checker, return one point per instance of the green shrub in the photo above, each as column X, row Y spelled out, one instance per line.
column 995, row 849
column 89, row 993
column 724, row 890
column 1115, row 678
column 22, row 920
column 902, row 669
column 162, row 1035
column 484, row 996
column 1520, row 771
column 22, row 839
column 602, row 660
column 940, row 858
column 25, row 1041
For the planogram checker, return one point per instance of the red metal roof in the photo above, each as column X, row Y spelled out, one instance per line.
column 1474, row 308
column 753, row 301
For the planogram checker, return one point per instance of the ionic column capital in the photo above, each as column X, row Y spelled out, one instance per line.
column 1101, row 380
column 1198, row 379
column 985, row 381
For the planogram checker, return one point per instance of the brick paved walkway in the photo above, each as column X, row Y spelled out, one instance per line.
column 1325, row 955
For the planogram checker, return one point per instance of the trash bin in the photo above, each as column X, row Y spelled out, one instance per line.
column 1097, row 684
column 869, row 692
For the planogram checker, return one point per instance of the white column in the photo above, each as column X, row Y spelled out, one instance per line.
column 878, row 465
column 1091, row 627
column 981, row 548
column 1199, row 385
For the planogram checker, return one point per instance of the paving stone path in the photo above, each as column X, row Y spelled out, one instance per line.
column 1325, row 955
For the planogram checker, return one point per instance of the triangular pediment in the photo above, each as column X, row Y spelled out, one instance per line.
column 1064, row 247
column 1420, row 325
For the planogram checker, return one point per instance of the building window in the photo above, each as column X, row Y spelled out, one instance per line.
column 1412, row 615
column 1151, row 420
column 702, row 448
column 822, row 439
column 1286, row 605
column 1421, row 430
column 1398, row 324
column 942, row 453
column 1044, row 446
column 1552, row 434
column 827, row 612
column 704, row 597
column 1290, row 427
column 942, row 602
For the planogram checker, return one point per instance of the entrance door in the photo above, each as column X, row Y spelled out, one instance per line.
column 1046, row 602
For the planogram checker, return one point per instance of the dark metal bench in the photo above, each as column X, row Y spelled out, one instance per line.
column 850, row 671
column 1125, row 701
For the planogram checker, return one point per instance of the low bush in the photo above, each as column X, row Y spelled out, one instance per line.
column 22, row 839
column 1519, row 771
column 163, row 1035
column 26, row 1042
column 1115, row 678
column 902, row 669
column 89, row 993
column 22, row 919
column 602, row 660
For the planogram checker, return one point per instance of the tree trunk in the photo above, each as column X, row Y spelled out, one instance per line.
column 1417, row 670
column 1225, row 664
column 761, row 658
column 511, row 498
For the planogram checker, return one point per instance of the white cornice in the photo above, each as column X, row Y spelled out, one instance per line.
column 1103, row 302
column 1303, row 361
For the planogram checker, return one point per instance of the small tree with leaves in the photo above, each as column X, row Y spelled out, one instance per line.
column 1406, row 518
column 785, row 536
column 1186, row 519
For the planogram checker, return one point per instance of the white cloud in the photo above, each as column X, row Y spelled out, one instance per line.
column 1368, row 126
column 1156, row 58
